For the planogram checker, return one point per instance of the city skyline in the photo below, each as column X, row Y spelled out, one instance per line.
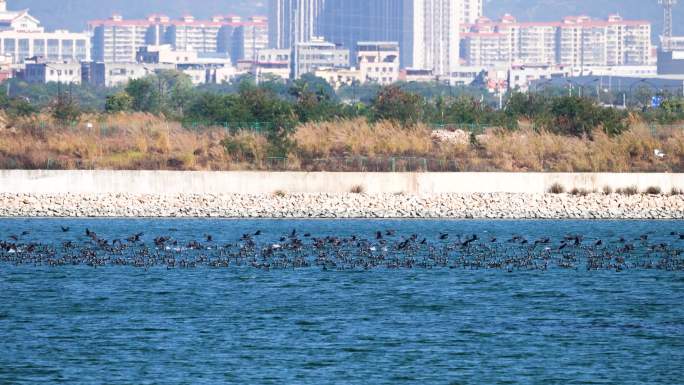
column 435, row 40
column 76, row 13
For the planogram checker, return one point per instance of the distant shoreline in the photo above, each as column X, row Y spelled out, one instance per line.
column 344, row 206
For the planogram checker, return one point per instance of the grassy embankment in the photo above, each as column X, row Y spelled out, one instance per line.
column 142, row 141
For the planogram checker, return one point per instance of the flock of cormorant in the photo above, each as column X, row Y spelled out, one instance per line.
column 384, row 249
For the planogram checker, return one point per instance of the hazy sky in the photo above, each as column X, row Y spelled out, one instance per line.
column 73, row 14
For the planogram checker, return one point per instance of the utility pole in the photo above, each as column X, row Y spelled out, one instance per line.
column 294, row 39
column 668, row 5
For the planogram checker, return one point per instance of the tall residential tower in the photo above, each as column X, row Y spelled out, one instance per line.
column 293, row 21
column 426, row 30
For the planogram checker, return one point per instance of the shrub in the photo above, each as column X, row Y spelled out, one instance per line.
column 20, row 107
column 579, row 192
column 676, row 191
column 65, row 109
column 392, row 103
column 279, row 194
column 607, row 190
column 119, row 102
column 556, row 188
column 358, row 189
column 245, row 147
column 632, row 190
column 653, row 190
column 577, row 116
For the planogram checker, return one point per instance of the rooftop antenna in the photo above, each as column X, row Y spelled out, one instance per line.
column 668, row 5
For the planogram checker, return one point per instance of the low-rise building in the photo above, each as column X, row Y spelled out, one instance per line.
column 117, row 74
column 22, row 37
column 42, row 72
column 521, row 77
column 154, row 54
column 378, row 62
column 338, row 77
column 273, row 62
column 221, row 75
column 465, row 75
column 319, row 53
column 417, row 75
column 6, row 68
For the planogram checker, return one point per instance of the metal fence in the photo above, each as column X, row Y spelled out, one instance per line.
column 333, row 164
column 233, row 127
column 364, row 164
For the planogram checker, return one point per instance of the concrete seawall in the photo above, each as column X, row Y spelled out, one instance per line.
column 172, row 182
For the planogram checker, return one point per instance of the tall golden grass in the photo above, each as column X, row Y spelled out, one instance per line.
column 143, row 141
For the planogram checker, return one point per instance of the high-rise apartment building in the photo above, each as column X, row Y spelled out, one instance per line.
column 294, row 21
column 427, row 30
column 584, row 42
column 116, row 40
column 471, row 11
column 250, row 37
column 188, row 34
column 22, row 37
column 435, row 29
column 575, row 42
column 537, row 43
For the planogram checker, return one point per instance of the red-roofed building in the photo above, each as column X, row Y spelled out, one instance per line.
column 117, row 39
column 576, row 41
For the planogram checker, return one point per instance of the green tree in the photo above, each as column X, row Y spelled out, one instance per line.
column 212, row 108
column 578, row 116
column 17, row 107
column 526, row 105
column 119, row 102
column 65, row 109
column 392, row 103
column 145, row 94
column 315, row 99
column 177, row 91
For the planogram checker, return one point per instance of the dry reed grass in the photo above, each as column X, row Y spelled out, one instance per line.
column 359, row 138
column 143, row 141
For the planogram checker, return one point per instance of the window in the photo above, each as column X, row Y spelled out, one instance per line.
column 53, row 49
column 67, row 49
column 10, row 46
column 81, row 50
column 24, row 49
column 39, row 47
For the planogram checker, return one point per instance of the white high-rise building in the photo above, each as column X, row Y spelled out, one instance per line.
column 293, row 21
column 117, row 40
column 427, row 30
column 471, row 11
column 436, row 35
column 574, row 42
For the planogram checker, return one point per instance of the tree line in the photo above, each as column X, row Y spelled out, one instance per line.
column 285, row 105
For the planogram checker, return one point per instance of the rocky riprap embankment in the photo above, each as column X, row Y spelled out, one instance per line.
column 498, row 205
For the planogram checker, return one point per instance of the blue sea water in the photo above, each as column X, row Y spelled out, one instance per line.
column 122, row 325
